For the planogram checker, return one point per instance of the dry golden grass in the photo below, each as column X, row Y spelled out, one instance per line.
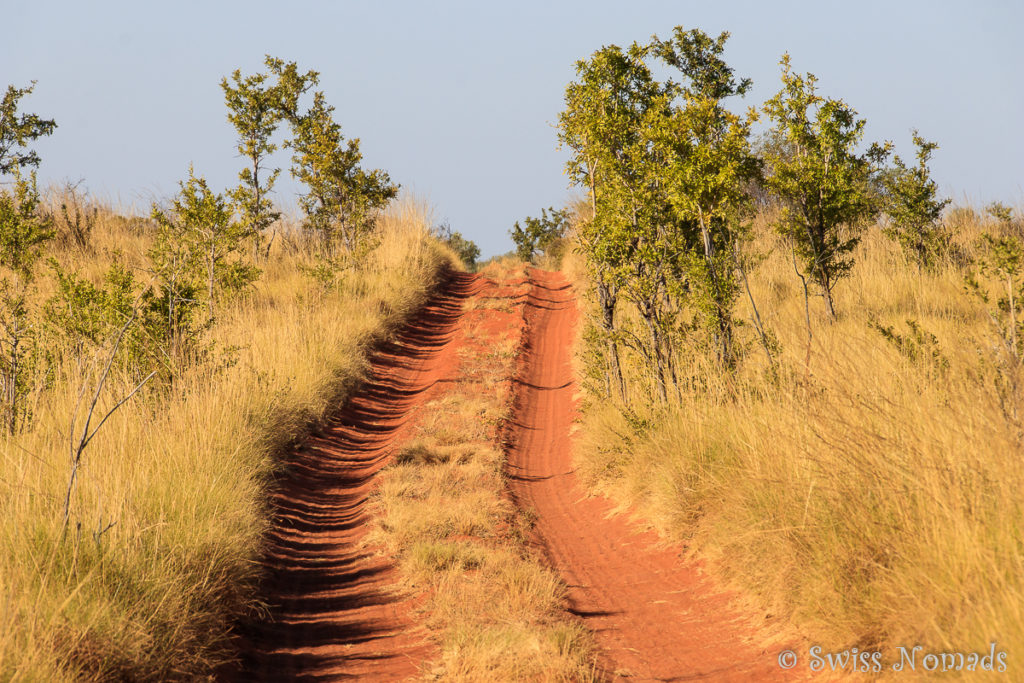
column 442, row 509
column 867, row 499
column 181, row 473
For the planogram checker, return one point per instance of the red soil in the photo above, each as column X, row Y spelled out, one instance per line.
column 654, row 615
column 333, row 611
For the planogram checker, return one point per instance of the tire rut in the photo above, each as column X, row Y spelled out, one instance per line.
column 334, row 613
column 654, row 614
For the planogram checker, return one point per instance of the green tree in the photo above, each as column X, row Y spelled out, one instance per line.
column 466, row 249
column 708, row 166
column 84, row 317
column 256, row 106
column 342, row 199
column 1002, row 213
column 23, row 234
column 999, row 283
column 601, row 125
column 825, row 186
column 667, row 166
column 18, row 130
column 913, row 207
column 538, row 236
column 196, row 254
column 199, row 231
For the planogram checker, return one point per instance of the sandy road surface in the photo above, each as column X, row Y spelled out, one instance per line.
column 334, row 614
column 654, row 615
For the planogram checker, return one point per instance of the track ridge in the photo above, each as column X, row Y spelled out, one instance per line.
column 333, row 611
column 655, row 615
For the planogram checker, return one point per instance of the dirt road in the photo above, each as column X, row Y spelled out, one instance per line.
column 334, row 614
column 653, row 614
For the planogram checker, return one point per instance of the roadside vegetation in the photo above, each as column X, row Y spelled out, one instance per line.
column 443, row 511
column 153, row 367
column 799, row 360
column 541, row 241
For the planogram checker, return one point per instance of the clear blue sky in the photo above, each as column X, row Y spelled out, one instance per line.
column 457, row 100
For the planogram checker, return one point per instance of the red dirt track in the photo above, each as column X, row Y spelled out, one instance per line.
column 654, row 616
column 333, row 612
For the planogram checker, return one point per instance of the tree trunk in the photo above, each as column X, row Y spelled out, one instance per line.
column 807, row 313
column 724, row 332
column 669, row 355
column 211, row 265
column 826, row 287
column 12, row 378
column 254, row 219
column 757, row 315
column 607, row 298
column 659, row 359
column 650, row 318
column 822, row 271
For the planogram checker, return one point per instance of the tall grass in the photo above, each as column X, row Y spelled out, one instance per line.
column 180, row 474
column 868, row 491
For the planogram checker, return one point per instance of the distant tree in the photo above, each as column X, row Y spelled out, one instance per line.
column 999, row 282
column 538, row 235
column 342, row 199
column 825, row 186
column 256, row 106
column 75, row 219
column 18, row 130
column 1000, row 212
column 22, row 231
column 467, row 250
column 913, row 207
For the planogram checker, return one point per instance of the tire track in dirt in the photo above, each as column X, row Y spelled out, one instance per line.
column 655, row 617
column 334, row 613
